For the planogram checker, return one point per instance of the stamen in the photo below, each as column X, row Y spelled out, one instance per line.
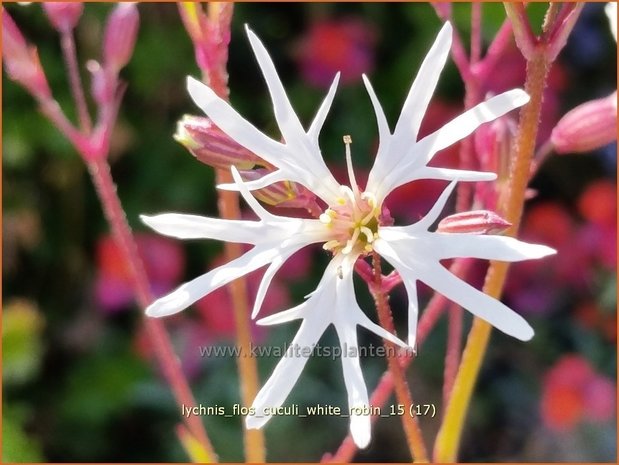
column 368, row 233
column 329, row 245
column 368, row 217
column 324, row 218
column 346, row 190
column 351, row 173
column 371, row 199
column 351, row 242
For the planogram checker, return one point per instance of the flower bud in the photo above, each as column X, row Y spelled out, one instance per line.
column 473, row 222
column 103, row 83
column 22, row 61
column 587, row 127
column 212, row 146
column 120, row 35
column 285, row 194
column 63, row 15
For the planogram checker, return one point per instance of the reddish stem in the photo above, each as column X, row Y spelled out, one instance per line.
column 67, row 43
column 106, row 190
column 409, row 423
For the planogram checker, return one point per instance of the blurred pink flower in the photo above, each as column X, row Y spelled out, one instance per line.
column 163, row 259
column 330, row 46
column 572, row 392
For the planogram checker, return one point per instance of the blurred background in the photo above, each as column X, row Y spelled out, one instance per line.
column 79, row 382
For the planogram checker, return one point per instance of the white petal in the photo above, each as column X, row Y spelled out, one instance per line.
column 506, row 249
column 266, row 281
column 264, row 181
column 430, row 217
column 321, row 115
column 384, row 134
column 394, row 149
column 360, row 423
column 448, row 174
column 463, row 125
column 286, row 373
column 287, row 120
column 422, row 89
column 286, row 316
column 201, row 286
column 233, row 124
column 368, row 324
column 200, row 227
column 251, row 201
column 485, row 307
column 387, row 251
column 385, row 177
column 321, row 302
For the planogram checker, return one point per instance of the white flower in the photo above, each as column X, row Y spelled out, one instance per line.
column 350, row 225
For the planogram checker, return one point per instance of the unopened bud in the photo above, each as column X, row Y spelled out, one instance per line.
column 22, row 61
column 212, row 146
column 587, row 127
column 103, row 83
column 285, row 194
column 63, row 15
column 473, row 222
column 121, row 32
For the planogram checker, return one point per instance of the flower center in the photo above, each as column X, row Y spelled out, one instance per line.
column 353, row 221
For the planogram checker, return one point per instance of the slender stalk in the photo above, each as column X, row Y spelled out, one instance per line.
column 67, row 44
column 99, row 170
column 449, row 435
column 475, row 32
column 410, row 424
column 228, row 205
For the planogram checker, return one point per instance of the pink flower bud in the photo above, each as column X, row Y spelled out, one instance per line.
column 587, row 127
column 212, row 146
column 282, row 194
column 22, row 61
column 63, row 15
column 120, row 35
column 103, row 83
column 473, row 222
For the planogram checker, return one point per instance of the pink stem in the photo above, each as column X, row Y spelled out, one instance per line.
column 106, row 190
column 475, row 32
column 68, row 50
column 458, row 52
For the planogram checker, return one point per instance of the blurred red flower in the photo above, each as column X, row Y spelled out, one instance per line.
column 573, row 392
column 329, row 46
column 164, row 262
